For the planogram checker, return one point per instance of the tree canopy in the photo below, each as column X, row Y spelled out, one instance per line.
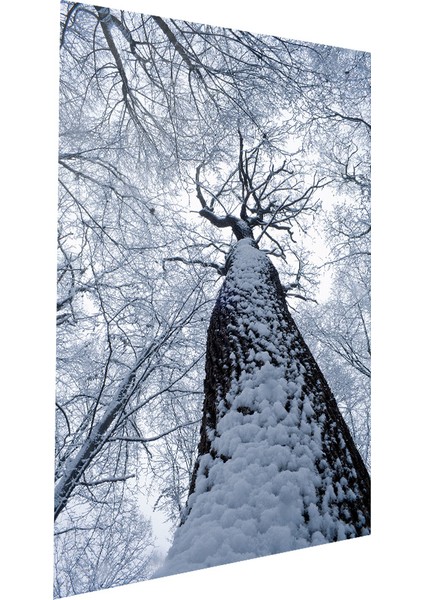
column 167, row 129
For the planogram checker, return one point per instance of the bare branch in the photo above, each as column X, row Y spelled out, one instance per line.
column 105, row 480
column 156, row 437
column 218, row 268
column 199, row 189
column 334, row 113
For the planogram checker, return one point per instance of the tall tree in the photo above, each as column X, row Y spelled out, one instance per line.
column 153, row 112
column 277, row 467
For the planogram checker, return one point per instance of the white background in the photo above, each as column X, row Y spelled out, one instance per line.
column 388, row 563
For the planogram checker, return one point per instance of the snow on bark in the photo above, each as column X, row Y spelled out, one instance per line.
column 277, row 467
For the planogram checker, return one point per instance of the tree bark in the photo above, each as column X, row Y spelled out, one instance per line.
column 252, row 326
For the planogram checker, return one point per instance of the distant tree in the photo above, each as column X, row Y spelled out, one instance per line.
column 115, row 548
column 339, row 329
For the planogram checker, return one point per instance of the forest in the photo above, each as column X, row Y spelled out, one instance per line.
column 180, row 142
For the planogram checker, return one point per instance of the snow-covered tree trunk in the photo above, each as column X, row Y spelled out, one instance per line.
column 277, row 468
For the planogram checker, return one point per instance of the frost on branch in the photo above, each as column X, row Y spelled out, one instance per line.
column 277, row 468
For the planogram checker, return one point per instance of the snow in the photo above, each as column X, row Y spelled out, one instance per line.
column 260, row 494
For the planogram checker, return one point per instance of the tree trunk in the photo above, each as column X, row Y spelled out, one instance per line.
column 277, row 467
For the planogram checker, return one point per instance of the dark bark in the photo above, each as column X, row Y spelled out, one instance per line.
column 229, row 353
